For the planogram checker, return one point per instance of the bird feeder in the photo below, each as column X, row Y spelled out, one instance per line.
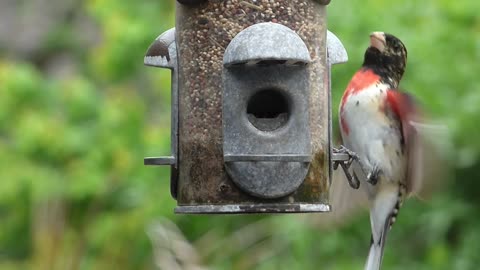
column 251, row 110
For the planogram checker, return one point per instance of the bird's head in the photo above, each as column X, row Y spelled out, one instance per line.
column 387, row 56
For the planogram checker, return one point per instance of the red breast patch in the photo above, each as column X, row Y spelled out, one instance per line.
column 364, row 78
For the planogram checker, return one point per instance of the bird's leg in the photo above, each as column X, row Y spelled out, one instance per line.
column 345, row 163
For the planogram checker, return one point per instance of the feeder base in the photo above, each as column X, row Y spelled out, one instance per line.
column 253, row 208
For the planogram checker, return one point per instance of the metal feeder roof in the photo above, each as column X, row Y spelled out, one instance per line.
column 261, row 42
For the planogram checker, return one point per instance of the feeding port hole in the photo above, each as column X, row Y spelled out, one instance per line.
column 268, row 110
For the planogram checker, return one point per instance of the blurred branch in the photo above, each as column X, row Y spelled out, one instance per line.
column 172, row 250
column 48, row 231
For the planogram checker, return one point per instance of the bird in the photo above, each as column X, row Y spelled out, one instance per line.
column 375, row 124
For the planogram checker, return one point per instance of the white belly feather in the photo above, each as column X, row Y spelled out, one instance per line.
column 374, row 133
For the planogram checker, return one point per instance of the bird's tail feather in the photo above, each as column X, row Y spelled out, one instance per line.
column 382, row 215
column 375, row 255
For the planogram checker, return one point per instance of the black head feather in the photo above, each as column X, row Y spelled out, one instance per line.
column 386, row 56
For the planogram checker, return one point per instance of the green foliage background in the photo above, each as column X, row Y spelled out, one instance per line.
column 74, row 193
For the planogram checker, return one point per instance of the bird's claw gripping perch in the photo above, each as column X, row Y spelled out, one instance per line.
column 345, row 157
column 372, row 177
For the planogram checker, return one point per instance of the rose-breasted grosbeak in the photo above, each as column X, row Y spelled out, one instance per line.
column 375, row 121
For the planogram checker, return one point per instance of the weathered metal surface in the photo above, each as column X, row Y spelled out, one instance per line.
column 340, row 157
column 266, row 41
column 246, row 82
column 336, row 52
column 283, row 157
column 162, row 53
column 203, row 33
column 165, row 160
column 253, row 208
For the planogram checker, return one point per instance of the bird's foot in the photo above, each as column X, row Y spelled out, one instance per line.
column 351, row 155
column 372, row 177
column 345, row 157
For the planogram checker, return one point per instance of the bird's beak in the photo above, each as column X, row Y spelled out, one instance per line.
column 377, row 40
